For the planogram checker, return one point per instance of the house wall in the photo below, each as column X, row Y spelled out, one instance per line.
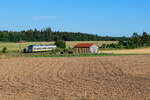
column 94, row 49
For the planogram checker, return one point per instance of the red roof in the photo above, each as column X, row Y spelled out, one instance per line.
column 85, row 45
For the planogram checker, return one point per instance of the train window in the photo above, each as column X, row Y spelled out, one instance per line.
column 42, row 48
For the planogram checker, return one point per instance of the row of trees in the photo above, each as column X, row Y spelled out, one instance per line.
column 135, row 41
column 48, row 35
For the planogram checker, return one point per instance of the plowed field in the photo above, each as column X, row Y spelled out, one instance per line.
column 98, row 78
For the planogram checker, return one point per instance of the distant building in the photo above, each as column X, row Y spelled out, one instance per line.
column 22, row 41
column 83, row 48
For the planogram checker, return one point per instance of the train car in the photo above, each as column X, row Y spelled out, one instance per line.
column 41, row 48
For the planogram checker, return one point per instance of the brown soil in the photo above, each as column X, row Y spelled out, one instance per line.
column 98, row 78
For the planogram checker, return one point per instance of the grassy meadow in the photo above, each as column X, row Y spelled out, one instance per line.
column 14, row 49
column 128, row 51
column 20, row 46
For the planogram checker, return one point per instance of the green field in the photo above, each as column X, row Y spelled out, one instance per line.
column 20, row 46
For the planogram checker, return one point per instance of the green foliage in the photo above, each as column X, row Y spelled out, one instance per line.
column 145, row 39
column 48, row 35
column 135, row 41
column 103, row 46
column 55, row 51
column 24, row 50
column 4, row 50
column 60, row 43
column 68, row 55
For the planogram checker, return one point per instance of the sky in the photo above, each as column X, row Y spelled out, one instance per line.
column 101, row 17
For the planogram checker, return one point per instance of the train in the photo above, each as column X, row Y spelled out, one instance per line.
column 41, row 48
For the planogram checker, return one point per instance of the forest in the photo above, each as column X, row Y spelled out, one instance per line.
column 49, row 35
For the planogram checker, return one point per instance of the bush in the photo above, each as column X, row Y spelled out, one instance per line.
column 103, row 46
column 24, row 50
column 4, row 50
column 60, row 43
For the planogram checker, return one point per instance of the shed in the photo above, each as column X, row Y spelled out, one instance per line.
column 83, row 48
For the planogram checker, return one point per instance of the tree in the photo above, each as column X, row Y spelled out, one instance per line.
column 60, row 43
column 145, row 39
column 47, row 33
column 4, row 36
column 37, row 35
column 136, row 39
column 30, row 35
column 4, row 50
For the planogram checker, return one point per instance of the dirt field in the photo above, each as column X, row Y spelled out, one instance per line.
column 99, row 78
column 128, row 51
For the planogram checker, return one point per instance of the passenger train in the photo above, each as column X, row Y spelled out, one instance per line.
column 41, row 48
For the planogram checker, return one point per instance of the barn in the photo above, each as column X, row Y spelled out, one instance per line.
column 84, row 48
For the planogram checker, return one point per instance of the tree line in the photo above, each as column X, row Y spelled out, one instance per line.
column 135, row 41
column 49, row 35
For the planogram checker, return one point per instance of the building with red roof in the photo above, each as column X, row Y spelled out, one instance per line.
column 83, row 45
column 84, row 48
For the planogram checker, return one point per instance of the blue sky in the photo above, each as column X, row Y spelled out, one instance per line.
column 102, row 17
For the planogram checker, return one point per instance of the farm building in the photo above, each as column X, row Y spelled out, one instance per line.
column 83, row 48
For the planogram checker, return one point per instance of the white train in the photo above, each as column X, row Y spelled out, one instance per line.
column 41, row 48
